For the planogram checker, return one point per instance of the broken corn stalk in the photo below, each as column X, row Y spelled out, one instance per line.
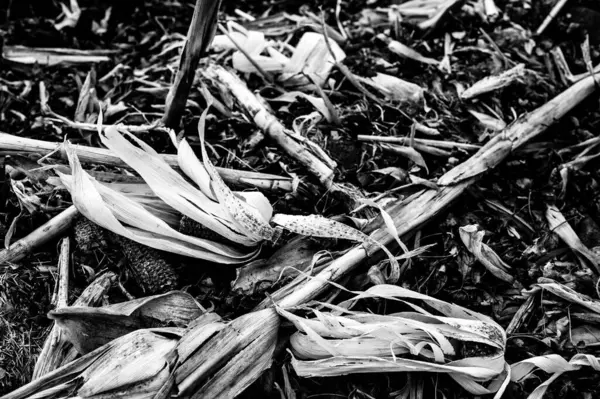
column 224, row 364
column 344, row 341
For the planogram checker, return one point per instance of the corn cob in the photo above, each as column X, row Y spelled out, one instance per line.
column 190, row 227
column 150, row 268
column 88, row 235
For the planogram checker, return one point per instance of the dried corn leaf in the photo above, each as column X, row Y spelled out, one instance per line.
column 318, row 103
column 70, row 15
column 425, row 13
column 144, row 355
column 362, row 342
column 106, row 207
column 311, row 58
column 171, row 187
column 489, row 122
column 492, row 83
column 198, row 332
column 472, row 237
column 306, row 348
column 410, row 153
column 261, row 274
column 404, row 51
column 394, row 88
column 88, row 328
column 553, row 364
column 86, row 95
column 57, row 350
column 245, row 216
column 130, row 364
column 560, row 226
column 566, row 293
column 318, row 226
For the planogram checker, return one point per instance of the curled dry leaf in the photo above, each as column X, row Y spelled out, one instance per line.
column 343, row 341
column 472, row 237
column 566, row 293
column 553, row 364
column 559, row 225
column 310, row 57
column 70, row 15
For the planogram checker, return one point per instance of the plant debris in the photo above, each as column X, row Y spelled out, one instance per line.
column 366, row 198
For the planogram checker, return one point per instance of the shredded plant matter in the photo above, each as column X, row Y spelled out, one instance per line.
column 367, row 198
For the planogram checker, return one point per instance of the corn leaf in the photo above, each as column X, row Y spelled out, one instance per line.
column 145, row 228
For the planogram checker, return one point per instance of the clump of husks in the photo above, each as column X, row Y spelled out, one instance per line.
column 203, row 219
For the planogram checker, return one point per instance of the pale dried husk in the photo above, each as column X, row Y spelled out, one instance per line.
column 343, row 341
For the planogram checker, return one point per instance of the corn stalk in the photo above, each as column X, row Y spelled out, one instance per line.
column 200, row 34
column 50, row 230
column 299, row 148
column 420, row 208
column 10, row 144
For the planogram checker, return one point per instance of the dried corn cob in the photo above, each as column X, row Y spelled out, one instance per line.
column 190, row 227
column 88, row 235
column 150, row 268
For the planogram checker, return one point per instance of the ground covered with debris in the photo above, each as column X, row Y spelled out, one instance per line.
column 360, row 198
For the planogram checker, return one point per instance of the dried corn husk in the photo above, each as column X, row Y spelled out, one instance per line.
column 89, row 328
column 58, row 350
column 492, row 83
column 566, row 293
column 242, row 217
column 404, row 51
column 395, row 88
column 310, row 57
column 343, row 341
column 137, row 365
column 554, row 364
column 109, row 208
column 489, row 122
column 425, row 13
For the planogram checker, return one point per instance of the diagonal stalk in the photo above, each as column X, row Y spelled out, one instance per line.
column 423, row 206
column 200, row 34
